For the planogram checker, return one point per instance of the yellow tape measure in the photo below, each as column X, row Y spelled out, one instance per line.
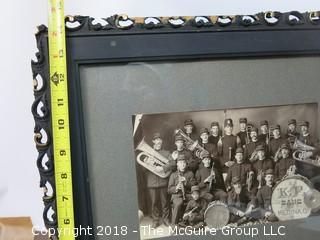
column 60, row 119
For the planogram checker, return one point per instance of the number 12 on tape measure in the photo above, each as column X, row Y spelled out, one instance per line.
column 60, row 120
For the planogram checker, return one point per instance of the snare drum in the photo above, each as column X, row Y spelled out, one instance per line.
column 217, row 215
column 288, row 198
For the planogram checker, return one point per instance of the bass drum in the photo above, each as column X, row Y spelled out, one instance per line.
column 217, row 215
column 288, row 200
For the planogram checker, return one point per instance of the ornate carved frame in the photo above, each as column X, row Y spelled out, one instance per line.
column 263, row 34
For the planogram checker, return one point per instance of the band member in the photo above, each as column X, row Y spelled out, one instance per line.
column 194, row 213
column 227, row 146
column 210, row 180
column 264, row 197
column 189, row 129
column 157, row 186
column 305, row 136
column 276, row 142
column 243, row 131
column 192, row 163
column 292, row 133
column 179, row 186
column 204, row 142
column 215, row 133
column 261, row 165
column 250, row 148
column 284, row 163
column 264, row 136
column 240, row 169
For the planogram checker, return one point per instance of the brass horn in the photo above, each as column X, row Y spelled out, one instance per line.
column 150, row 159
column 302, row 151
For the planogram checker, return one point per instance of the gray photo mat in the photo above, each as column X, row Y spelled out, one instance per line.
column 112, row 93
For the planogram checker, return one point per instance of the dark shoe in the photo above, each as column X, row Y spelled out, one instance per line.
column 166, row 222
column 155, row 224
column 182, row 224
column 199, row 225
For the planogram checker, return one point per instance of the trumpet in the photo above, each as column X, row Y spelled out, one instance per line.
column 181, row 180
column 150, row 159
column 190, row 144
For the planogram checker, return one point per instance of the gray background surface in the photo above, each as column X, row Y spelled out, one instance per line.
column 112, row 94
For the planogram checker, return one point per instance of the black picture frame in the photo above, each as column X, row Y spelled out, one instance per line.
column 148, row 39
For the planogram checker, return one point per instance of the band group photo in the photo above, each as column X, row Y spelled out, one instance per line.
column 227, row 167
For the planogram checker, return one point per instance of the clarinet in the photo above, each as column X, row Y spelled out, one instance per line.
column 182, row 186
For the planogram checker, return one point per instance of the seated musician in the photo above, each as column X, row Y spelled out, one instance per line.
column 264, row 194
column 210, row 180
column 194, row 213
column 179, row 186
column 276, row 142
column 283, row 162
column 192, row 163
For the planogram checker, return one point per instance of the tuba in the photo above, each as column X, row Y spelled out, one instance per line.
column 190, row 144
column 150, row 159
column 302, row 151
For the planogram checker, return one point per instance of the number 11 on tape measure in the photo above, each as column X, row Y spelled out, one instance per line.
column 60, row 119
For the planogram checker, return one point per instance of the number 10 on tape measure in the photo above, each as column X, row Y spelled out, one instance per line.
column 60, row 119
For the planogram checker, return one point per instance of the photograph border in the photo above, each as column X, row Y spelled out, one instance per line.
column 124, row 39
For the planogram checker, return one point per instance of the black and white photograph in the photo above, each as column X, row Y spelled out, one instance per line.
column 227, row 167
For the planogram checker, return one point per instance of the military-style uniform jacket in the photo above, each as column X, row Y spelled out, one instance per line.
column 201, row 205
column 238, row 200
column 249, row 149
column 243, row 137
column 275, row 144
column 214, row 139
column 262, row 165
column 228, row 141
column 153, row 180
column 264, row 197
column 211, row 148
column 291, row 137
column 192, row 163
column 263, row 137
column 238, row 170
column 282, row 166
column 193, row 136
column 306, row 139
column 204, row 173
column 174, row 180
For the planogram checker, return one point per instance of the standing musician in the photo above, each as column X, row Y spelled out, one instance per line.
column 264, row 197
column 261, row 164
column 240, row 169
column 188, row 129
column 276, row 142
column 250, row 148
column 215, row 133
column 264, row 136
column 157, row 186
column 305, row 136
column 210, row 180
column 242, row 134
column 192, row 163
column 194, row 213
column 292, row 133
column 284, row 163
column 204, row 142
column 179, row 186
column 227, row 146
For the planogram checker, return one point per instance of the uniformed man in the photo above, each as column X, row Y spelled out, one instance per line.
column 261, row 165
column 305, row 136
column 194, row 213
column 264, row 136
column 204, row 142
column 157, row 186
column 284, row 163
column 215, row 133
column 276, row 142
column 242, row 134
column 192, row 163
column 189, row 129
column 250, row 148
column 210, row 180
column 240, row 169
column 227, row 146
column 292, row 133
column 179, row 187
column 264, row 196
